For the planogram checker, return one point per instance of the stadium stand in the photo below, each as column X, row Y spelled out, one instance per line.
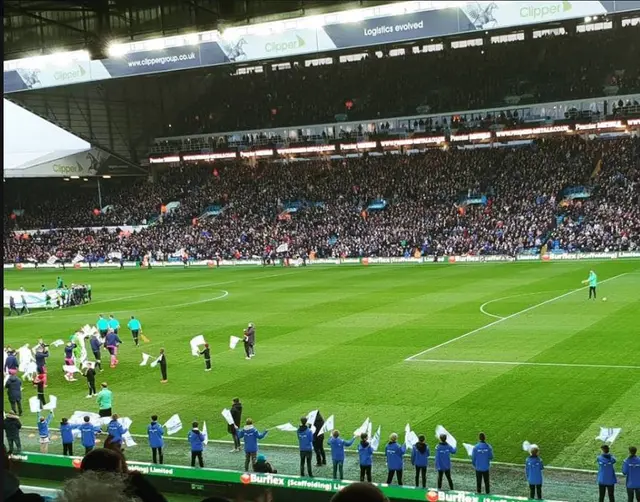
column 525, row 208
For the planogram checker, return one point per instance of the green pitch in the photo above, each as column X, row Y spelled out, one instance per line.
column 397, row 344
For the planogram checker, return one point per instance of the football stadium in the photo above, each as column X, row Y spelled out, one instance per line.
column 321, row 251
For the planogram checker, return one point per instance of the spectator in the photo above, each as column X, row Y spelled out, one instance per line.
column 262, row 465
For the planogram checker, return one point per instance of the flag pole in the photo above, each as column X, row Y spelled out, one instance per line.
column 99, row 195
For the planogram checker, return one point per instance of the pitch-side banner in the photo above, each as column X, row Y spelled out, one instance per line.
column 438, row 21
column 34, row 300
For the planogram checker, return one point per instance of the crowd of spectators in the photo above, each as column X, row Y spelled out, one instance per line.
column 572, row 66
column 524, row 208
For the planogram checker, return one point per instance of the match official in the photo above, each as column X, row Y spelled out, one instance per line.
column 592, row 280
column 156, row 441
column 136, row 328
column 481, row 458
column 102, row 325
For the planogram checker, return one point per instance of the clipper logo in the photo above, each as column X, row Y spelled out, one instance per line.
column 70, row 75
column 285, row 45
column 67, row 169
column 539, row 12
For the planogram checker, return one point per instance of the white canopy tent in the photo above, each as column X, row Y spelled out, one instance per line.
column 34, row 147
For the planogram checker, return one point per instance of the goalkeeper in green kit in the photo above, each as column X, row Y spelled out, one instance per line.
column 593, row 283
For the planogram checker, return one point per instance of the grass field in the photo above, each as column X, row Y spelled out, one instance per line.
column 538, row 362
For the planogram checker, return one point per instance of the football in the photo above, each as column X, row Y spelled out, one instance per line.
column 604, row 299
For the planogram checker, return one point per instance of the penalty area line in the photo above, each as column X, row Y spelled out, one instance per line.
column 502, row 319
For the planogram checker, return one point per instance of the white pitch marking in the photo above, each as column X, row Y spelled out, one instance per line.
column 506, row 298
column 516, row 363
column 502, row 319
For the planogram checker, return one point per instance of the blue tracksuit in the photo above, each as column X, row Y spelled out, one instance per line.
column 482, row 456
column 68, row 350
column 631, row 469
column 366, row 454
column 43, row 425
column 305, row 439
column 155, row 433
column 606, row 469
column 251, row 436
column 394, row 453
column 420, row 458
column 41, row 359
column 111, row 340
column 443, row 456
column 88, row 433
column 196, row 439
column 116, row 431
column 95, row 344
column 66, row 432
column 533, row 468
column 337, row 448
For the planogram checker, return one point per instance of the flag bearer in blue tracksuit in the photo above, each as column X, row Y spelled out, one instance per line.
column 251, row 436
column 443, row 460
column 481, row 458
column 394, row 453
column 196, row 440
column 420, row 460
column 43, row 431
column 606, row 474
column 88, row 433
column 156, row 441
column 66, row 434
column 305, row 442
column 337, row 445
column 365, row 454
column 116, row 431
column 631, row 469
column 533, row 468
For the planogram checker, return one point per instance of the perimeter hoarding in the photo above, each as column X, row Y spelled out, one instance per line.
column 271, row 481
column 220, row 48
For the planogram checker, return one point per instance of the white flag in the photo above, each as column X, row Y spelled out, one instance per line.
column 233, row 342
column 527, row 446
column 145, row 359
column 51, row 405
column 363, row 428
column 105, row 420
column 128, row 438
column 70, row 368
column 78, row 258
column 311, row 420
column 609, row 434
column 450, row 439
column 410, row 437
column 369, row 429
column 78, row 418
column 173, row 425
column 375, row 442
column 57, row 343
column 227, row 416
column 204, row 433
column 469, row 448
column 155, row 363
column 29, row 371
column 328, row 425
column 195, row 342
column 6, row 377
column 286, row 427
column 282, row 248
column 34, row 404
column 52, row 259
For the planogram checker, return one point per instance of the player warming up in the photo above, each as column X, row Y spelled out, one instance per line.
column 592, row 280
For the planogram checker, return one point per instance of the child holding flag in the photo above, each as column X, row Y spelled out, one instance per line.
column 43, row 431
